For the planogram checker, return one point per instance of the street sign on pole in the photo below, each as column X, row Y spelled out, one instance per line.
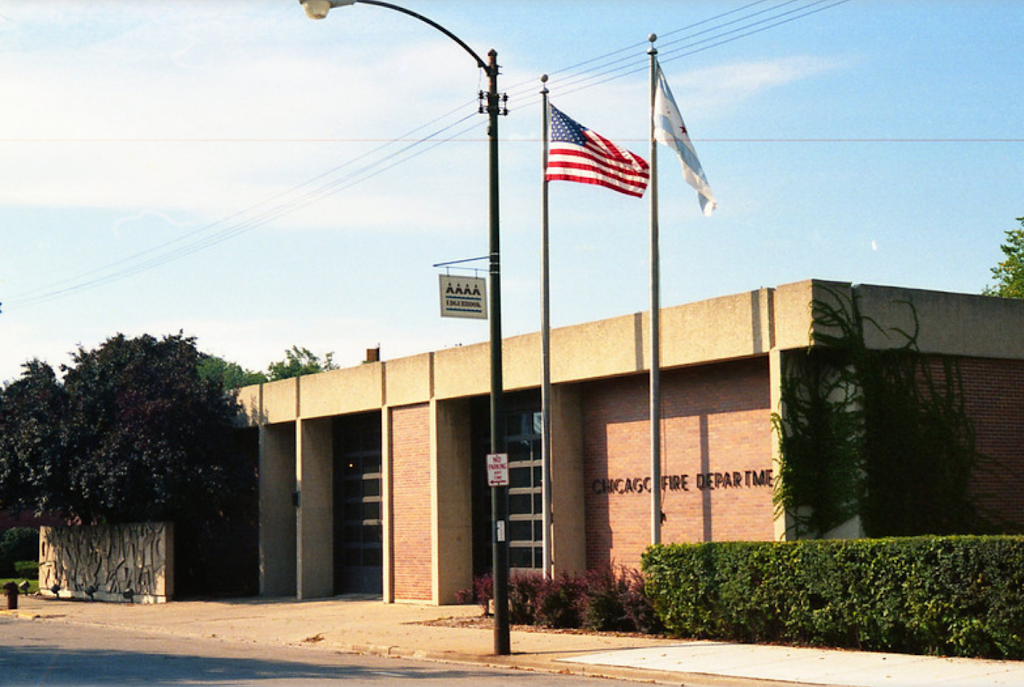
column 497, row 469
column 463, row 297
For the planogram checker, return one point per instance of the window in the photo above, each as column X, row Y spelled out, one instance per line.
column 525, row 494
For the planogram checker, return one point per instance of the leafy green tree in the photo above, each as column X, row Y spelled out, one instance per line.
column 229, row 375
column 133, row 433
column 300, row 361
column 33, row 455
column 1009, row 274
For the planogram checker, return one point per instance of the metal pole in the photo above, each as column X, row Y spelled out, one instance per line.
column 499, row 495
column 655, row 318
column 545, row 347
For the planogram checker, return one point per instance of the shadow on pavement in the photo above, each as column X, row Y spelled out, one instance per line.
column 40, row 665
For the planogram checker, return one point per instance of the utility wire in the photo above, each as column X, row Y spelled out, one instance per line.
column 582, row 75
column 161, row 256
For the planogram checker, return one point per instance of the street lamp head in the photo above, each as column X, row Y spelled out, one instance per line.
column 318, row 9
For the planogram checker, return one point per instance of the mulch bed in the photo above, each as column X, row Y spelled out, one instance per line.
column 486, row 622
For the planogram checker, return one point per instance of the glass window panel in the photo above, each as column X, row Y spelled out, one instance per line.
column 519, row 477
column 518, row 452
column 519, row 504
column 373, row 556
column 353, row 510
column 513, row 425
column 521, row 530
column 371, row 510
column 371, row 487
column 520, row 557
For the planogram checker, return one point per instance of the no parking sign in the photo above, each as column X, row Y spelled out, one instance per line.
column 497, row 469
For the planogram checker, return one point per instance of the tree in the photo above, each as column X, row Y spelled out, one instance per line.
column 33, row 456
column 1009, row 274
column 132, row 433
column 300, row 361
column 228, row 375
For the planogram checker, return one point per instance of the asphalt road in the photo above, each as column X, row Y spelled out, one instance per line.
column 55, row 653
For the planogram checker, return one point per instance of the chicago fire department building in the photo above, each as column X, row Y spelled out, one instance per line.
column 373, row 478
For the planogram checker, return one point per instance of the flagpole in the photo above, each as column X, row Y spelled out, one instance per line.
column 545, row 347
column 655, row 412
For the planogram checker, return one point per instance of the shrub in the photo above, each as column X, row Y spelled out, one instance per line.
column 27, row 569
column 17, row 544
column 603, row 608
column 934, row 595
column 523, row 590
column 483, row 590
column 604, row 600
column 637, row 606
column 558, row 601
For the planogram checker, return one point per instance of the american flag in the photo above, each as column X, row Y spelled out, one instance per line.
column 578, row 154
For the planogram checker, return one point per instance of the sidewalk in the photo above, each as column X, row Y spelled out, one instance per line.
column 372, row 627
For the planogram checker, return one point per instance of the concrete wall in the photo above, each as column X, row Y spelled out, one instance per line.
column 738, row 326
column 721, row 359
column 278, row 495
column 451, row 501
column 568, row 507
column 314, row 477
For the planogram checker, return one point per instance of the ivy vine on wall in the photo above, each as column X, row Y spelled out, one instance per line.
column 882, row 435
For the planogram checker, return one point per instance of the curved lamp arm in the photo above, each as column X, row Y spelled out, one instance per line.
column 318, row 9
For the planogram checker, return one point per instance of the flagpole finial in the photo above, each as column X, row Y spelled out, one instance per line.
column 544, row 82
column 652, row 50
column 652, row 37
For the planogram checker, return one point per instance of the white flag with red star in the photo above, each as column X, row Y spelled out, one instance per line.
column 670, row 129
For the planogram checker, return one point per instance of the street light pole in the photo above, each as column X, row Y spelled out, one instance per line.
column 318, row 9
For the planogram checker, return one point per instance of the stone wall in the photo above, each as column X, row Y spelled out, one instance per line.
column 127, row 563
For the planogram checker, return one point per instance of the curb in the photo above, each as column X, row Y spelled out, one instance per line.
column 21, row 615
column 527, row 663
column 516, row 661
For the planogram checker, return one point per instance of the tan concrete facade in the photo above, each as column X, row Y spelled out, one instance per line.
column 427, row 480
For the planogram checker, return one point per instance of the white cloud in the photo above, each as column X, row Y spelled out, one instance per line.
column 145, row 115
column 726, row 85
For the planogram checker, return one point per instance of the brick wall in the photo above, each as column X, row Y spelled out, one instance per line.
column 410, row 517
column 994, row 399
column 716, row 458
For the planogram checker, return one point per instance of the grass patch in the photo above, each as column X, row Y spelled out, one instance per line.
column 33, row 585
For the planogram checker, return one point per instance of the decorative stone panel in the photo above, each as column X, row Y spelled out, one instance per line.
column 131, row 563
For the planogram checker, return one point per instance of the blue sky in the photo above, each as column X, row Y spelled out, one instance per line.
column 238, row 172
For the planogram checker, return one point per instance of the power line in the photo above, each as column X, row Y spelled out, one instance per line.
column 582, row 75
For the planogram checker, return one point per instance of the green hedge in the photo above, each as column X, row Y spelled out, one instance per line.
column 27, row 569
column 961, row 596
column 17, row 544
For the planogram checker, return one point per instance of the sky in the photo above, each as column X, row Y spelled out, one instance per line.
column 237, row 172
